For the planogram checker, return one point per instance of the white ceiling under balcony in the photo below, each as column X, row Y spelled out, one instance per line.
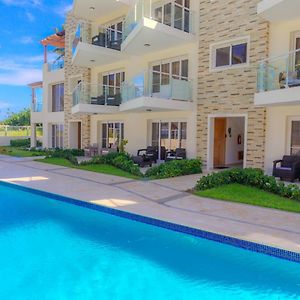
column 279, row 10
column 95, row 9
column 149, row 36
column 90, row 56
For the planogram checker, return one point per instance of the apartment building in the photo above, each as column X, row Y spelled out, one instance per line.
column 278, row 79
column 47, row 106
column 218, row 78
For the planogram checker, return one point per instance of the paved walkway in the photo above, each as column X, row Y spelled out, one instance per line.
column 162, row 199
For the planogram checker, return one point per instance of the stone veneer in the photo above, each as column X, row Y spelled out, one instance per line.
column 71, row 70
column 231, row 90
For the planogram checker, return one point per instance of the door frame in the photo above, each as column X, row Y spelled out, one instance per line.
column 211, row 135
column 69, row 134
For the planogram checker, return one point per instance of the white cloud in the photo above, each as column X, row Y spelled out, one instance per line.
column 26, row 40
column 63, row 10
column 4, row 104
column 30, row 16
column 22, row 3
column 20, row 77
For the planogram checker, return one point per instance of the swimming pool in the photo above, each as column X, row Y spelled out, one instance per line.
column 55, row 250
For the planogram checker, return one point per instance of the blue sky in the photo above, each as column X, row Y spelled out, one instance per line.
column 23, row 24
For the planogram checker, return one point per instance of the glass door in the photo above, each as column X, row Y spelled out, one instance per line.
column 296, row 46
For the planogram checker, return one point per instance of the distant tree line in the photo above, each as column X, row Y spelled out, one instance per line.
column 21, row 118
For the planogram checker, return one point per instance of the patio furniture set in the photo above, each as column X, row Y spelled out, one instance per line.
column 112, row 100
column 102, row 40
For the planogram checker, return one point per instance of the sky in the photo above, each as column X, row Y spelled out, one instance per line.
column 23, row 23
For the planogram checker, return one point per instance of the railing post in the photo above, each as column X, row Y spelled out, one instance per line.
column 287, row 73
column 261, row 77
column 6, row 130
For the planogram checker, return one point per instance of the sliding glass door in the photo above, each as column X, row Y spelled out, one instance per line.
column 171, row 135
column 57, row 136
column 112, row 134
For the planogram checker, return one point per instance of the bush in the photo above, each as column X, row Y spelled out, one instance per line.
column 175, row 168
column 20, row 143
column 250, row 177
column 69, row 154
column 120, row 160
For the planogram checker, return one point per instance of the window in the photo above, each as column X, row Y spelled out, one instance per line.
column 175, row 14
column 57, row 136
column 112, row 82
column 295, row 138
column 112, row 134
column 163, row 72
column 114, row 32
column 229, row 55
column 58, row 97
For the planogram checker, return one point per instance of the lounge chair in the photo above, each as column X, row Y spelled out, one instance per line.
column 289, row 168
column 178, row 154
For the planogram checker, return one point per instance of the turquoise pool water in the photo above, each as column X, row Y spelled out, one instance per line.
column 54, row 250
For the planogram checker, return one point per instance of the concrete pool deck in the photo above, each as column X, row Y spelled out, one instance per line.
column 161, row 199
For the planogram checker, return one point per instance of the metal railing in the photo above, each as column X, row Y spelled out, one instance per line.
column 95, row 94
column 182, row 20
column 279, row 72
column 143, row 86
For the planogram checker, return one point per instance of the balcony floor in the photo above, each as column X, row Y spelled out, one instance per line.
column 155, row 104
column 94, row 109
column 155, row 34
column 88, row 55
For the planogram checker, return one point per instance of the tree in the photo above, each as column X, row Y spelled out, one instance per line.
column 21, row 118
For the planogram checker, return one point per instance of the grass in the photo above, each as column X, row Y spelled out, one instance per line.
column 105, row 169
column 19, row 152
column 249, row 195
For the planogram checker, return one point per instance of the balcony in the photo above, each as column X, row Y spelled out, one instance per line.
column 279, row 10
column 92, row 99
column 151, row 27
column 93, row 10
column 278, row 80
column 56, row 65
column 143, row 94
column 100, row 50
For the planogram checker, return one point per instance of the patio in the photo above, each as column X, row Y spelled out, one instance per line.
column 162, row 199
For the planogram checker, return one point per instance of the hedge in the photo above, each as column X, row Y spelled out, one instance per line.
column 175, row 168
column 251, row 177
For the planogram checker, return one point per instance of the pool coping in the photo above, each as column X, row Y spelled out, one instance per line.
column 213, row 236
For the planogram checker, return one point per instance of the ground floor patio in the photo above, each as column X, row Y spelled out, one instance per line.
column 166, row 199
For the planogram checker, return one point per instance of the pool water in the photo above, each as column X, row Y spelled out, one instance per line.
column 55, row 250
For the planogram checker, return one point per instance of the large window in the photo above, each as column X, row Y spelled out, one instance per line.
column 163, row 72
column 170, row 135
column 174, row 13
column 112, row 134
column 295, row 138
column 230, row 54
column 57, row 136
column 114, row 32
column 58, row 97
column 112, row 83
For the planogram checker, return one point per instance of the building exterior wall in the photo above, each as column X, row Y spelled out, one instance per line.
column 71, row 70
column 231, row 91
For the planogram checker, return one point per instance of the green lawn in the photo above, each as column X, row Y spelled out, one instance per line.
column 19, row 152
column 249, row 195
column 105, row 169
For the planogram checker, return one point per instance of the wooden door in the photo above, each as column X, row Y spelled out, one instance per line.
column 79, row 135
column 220, row 142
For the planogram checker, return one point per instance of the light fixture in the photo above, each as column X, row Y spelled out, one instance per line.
column 147, row 45
column 92, row 8
column 149, row 110
column 92, row 60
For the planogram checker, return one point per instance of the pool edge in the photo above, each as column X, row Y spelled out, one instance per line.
column 213, row 236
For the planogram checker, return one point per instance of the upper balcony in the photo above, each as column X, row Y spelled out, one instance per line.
column 103, row 48
column 148, row 92
column 279, row 10
column 93, row 10
column 278, row 80
column 95, row 99
column 153, row 26
column 56, row 65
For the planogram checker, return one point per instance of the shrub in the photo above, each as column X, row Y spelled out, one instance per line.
column 175, row 168
column 20, row 143
column 250, row 177
column 120, row 160
column 69, row 154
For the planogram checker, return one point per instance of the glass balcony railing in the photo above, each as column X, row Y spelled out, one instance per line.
column 96, row 94
column 173, row 14
column 56, row 65
column 144, row 86
column 106, row 37
column 279, row 73
column 37, row 107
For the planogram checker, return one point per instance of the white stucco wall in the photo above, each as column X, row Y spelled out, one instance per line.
column 278, row 132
